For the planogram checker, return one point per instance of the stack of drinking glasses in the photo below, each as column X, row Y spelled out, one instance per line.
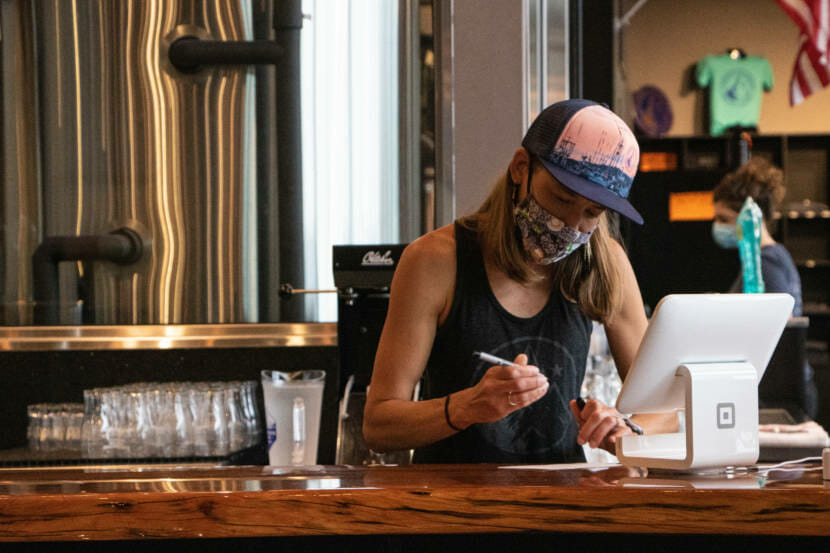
column 171, row 419
column 55, row 426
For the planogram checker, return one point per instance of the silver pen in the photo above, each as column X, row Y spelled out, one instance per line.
column 494, row 360
column 488, row 358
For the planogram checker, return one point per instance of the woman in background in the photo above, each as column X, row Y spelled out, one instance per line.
column 764, row 183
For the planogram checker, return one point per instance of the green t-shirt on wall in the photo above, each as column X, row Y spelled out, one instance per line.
column 736, row 89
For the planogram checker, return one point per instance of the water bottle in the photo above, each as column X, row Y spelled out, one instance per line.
column 748, row 229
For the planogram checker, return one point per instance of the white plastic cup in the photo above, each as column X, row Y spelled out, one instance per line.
column 293, row 407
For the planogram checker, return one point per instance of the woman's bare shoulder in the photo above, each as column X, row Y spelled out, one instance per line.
column 425, row 276
column 428, row 265
column 616, row 247
column 435, row 249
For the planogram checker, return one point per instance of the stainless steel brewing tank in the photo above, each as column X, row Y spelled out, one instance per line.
column 101, row 132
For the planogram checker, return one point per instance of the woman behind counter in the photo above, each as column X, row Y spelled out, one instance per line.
column 764, row 182
column 521, row 278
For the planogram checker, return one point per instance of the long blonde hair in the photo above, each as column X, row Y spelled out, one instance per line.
column 588, row 277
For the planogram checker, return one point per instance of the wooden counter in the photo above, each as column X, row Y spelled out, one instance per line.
column 165, row 502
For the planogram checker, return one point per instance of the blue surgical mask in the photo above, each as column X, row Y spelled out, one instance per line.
column 724, row 235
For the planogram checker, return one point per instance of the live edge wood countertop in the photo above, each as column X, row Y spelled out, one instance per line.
column 169, row 502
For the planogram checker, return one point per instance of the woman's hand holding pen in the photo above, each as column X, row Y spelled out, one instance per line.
column 599, row 424
column 502, row 390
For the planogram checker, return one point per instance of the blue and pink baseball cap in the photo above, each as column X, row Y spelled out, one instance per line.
column 590, row 150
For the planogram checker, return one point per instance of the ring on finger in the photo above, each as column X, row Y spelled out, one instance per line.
column 510, row 399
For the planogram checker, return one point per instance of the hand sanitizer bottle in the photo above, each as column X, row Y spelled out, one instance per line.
column 748, row 229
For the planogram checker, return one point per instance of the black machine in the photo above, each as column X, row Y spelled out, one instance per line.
column 362, row 276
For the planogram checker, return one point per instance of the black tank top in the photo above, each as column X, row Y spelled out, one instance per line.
column 556, row 340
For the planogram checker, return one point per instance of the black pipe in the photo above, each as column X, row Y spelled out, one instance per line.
column 575, row 50
column 189, row 53
column 123, row 246
column 268, row 265
column 592, row 35
column 288, row 21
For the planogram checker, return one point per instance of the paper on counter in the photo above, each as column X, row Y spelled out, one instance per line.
column 806, row 434
column 565, row 466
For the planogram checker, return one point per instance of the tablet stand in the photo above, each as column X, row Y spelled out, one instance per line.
column 721, row 422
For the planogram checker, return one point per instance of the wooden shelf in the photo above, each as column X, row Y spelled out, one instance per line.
column 813, row 263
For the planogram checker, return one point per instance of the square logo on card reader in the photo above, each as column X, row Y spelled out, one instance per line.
column 726, row 415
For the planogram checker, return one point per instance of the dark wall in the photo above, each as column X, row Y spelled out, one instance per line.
column 675, row 256
column 592, row 50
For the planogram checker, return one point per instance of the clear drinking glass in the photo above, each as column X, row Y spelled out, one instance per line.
column 200, row 408
column 163, row 420
column 251, row 412
column 74, row 426
column 218, row 414
column 33, row 432
column 53, row 429
column 113, row 423
column 234, row 417
column 143, row 441
column 184, row 440
column 91, row 436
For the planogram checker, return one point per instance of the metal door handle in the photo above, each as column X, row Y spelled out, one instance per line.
column 189, row 53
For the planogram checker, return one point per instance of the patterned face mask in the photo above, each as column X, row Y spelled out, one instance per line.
column 546, row 238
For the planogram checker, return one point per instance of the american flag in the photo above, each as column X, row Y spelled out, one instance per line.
column 811, row 72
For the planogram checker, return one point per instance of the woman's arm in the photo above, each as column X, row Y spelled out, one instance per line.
column 627, row 327
column 420, row 297
column 600, row 424
column 420, row 291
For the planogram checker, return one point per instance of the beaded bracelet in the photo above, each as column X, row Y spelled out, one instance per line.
column 447, row 414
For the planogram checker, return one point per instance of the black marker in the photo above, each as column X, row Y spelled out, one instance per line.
column 634, row 427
